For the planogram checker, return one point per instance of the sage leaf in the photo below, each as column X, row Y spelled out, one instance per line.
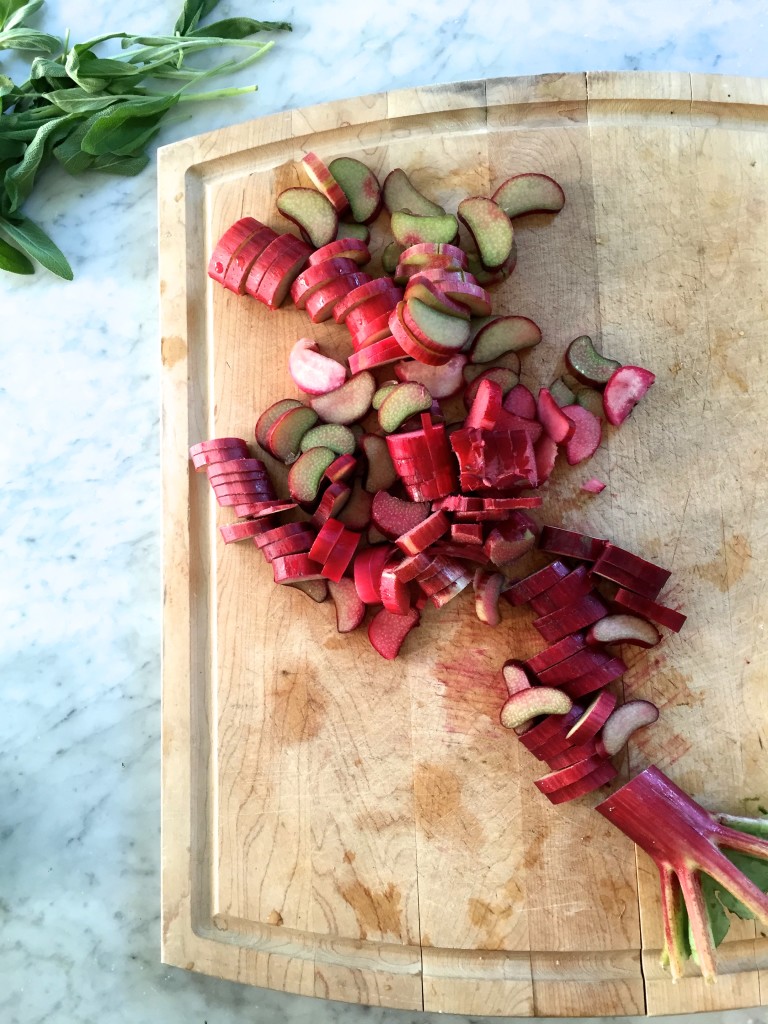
column 26, row 10
column 124, row 165
column 13, row 261
column 127, row 127
column 239, row 28
column 20, row 179
column 32, row 240
column 77, row 101
column 191, row 13
column 29, row 39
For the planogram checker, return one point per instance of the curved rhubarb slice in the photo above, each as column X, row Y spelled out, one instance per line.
column 686, row 842
column 625, row 387
column 316, row 590
column 244, row 259
column 338, row 438
column 332, row 502
column 357, row 512
column 342, row 468
column 440, row 381
column 325, row 540
column 505, row 378
column 317, row 276
column 521, row 707
column 490, row 228
column 350, row 610
column 321, row 305
column 297, row 542
column 387, row 632
column 369, row 565
column 382, row 392
column 395, row 595
column 360, row 185
column 390, row 257
column 361, row 294
column 403, row 401
column 247, row 530
column 623, row 723
column 561, row 393
column 341, row 555
column 380, row 353
column 668, row 617
column 410, row 344
column 436, row 331
column 295, row 569
column 399, row 193
column 593, row 719
column 587, row 364
column 624, row 629
column 504, row 334
column 306, row 474
column 433, row 295
column 442, row 597
column 515, row 676
column 321, row 177
column 529, row 193
column 588, row 784
column 485, row 277
column 348, row 403
column 541, row 734
column 437, row 255
column 394, row 516
column 511, row 540
column 520, row 402
column 270, row 416
column 313, row 372
column 360, row 232
column 424, row 534
column 342, row 248
column 411, row 229
column 284, row 437
column 552, row 418
column 566, row 776
column 381, row 474
column 586, row 437
column 216, row 456
column 508, row 361
column 487, row 586
column 312, row 212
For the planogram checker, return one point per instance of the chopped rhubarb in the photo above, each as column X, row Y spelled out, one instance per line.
column 595, row 679
column 566, row 776
column 521, row 402
column 399, row 193
column 295, row 569
column 394, row 517
column 387, row 632
column 467, row 533
column 524, row 590
column 545, row 731
column 424, row 534
column 668, row 617
column 625, row 387
column 624, row 629
column 585, row 611
column 488, row 586
column 454, row 588
column 607, row 772
column 313, row 372
column 631, row 571
column 485, row 407
column 623, row 723
column 515, row 676
column 341, row 555
column 570, row 544
column 369, row 565
column 412, row 229
column 593, row 486
column 530, row 192
column 297, row 542
column 342, row 248
column 321, row 177
column 555, row 422
column 490, row 228
column 563, row 592
column 360, row 185
column 234, row 532
column 357, row 511
column 395, row 595
column 348, row 403
column 350, row 610
column 440, row 381
column 586, row 437
column 593, row 719
column 511, row 540
column 270, row 416
column 580, row 663
column 587, row 364
column 521, row 707
column 333, row 500
column 402, row 402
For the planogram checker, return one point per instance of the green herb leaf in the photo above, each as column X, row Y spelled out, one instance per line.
column 35, row 243
column 29, row 39
column 22, row 12
column 6, row 85
column 125, row 165
column 44, row 67
column 239, row 28
column 8, row 10
column 127, row 127
column 718, row 919
column 191, row 13
column 92, row 73
column 69, row 152
column 13, row 261
column 10, row 148
column 20, row 179
column 77, row 101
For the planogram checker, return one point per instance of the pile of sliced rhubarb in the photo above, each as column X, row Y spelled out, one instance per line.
column 397, row 502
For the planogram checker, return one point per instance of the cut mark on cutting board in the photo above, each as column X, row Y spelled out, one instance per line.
column 299, row 707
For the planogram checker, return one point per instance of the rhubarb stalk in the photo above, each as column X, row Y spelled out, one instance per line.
column 684, row 840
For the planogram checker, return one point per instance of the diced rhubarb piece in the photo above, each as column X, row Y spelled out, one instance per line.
column 624, row 629
column 579, row 664
column 557, row 625
column 381, row 473
column 244, row 259
column 595, row 679
column 531, row 586
column 218, row 442
column 438, row 332
column 529, row 193
column 464, row 552
column 413, row 566
column 233, row 532
column 435, row 255
column 454, row 588
column 369, row 565
column 515, row 676
column 607, row 772
column 360, row 319
column 341, row 555
column 506, row 379
column 591, row 400
column 295, row 569
column 555, row 422
column 321, row 304
column 342, row 468
column 467, row 533
column 382, row 393
column 490, row 229
column 361, row 187
column 342, row 248
column 387, row 632
column 262, row 509
column 321, row 177
column 440, row 381
column 399, row 193
column 486, row 277
column 234, row 239
column 316, row 590
column 325, row 540
column 332, row 502
column 511, row 540
column 317, row 276
column 650, row 578
column 553, row 725
column 412, row 229
column 357, row 512
column 350, row 610
column 307, row 472
column 485, row 407
column 521, row 707
column 270, row 416
column 214, row 456
column 570, row 544
column 623, row 723
column 338, row 438
column 561, row 393
column 300, row 541
column 510, row 361
column 276, row 282
column 379, row 354
column 487, row 592
column 313, row 372
column 424, row 534
column 545, row 454
column 284, row 437
column 284, row 252
column 587, row 365
column 348, row 403
column 521, row 402
column 593, row 486
column 312, row 212
column 564, row 592
column 380, row 286
column 501, row 335
column 403, row 401
column 394, row 517
column 395, row 595
column 376, row 330
column 625, row 387
column 667, row 617
column 466, row 293
column 593, row 719
column 271, row 534
column 566, row 776
column 586, row 437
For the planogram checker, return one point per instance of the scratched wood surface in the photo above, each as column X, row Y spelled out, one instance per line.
column 344, row 827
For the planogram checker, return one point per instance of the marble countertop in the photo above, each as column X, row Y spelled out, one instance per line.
column 79, row 399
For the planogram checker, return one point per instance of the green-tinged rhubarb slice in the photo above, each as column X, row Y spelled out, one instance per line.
column 504, row 334
column 360, row 185
column 529, row 193
column 401, row 195
column 312, row 212
column 410, row 229
column 348, row 403
column 401, row 403
column 338, row 438
column 306, row 474
column 285, row 435
column 491, row 230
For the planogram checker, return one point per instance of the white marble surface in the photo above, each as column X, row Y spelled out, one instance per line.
column 79, row 743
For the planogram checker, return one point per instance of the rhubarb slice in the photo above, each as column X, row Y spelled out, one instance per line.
column 551, row 416
column 586, row 437
column 523, row 590
column 488, row 586
column 342, row 553
column 588, row 784
column 321, row 177
column 520, row 402
column 623, row 723
column 593, row 719
column 435, row 255
column 312, row 212
column 381, row 353
column 593, row 486
column 350, row 610
column 317, row 276
column 330, row 435
column 400, row 194
column 440, row 381
column 563, row 591
column 561, row 393
column 234, row 239
column 511, row 540
column 486, row 277
column 369, row 565
column 313, row 372
column 316, row 590
column 410, row 229
column 506, row 379
column 394, row 517
column 361, row 187
column 321, row 305
column 559, row 624
column 437, row 331
column 595, row 679
column 295, row 569
column 545, row 453
column 387, row 632
column 432, row 295
column 570, row 544
column 587, row 364
column 381, row 473
column 348, row 403
column 334, row 498
column 490, row 228
column 395, row 595
column 668, row 617
column 284, row 437
column 521, row 707
column 424, row 534
column 360, row 232
column 504, row 334
column 403, row 401
column 342, row 248
column 624, row 629
column 625, row 387
column 307, row 473
column 357, row 512
column 529, row 193
column 390, row 257
column 566, row 776
column 270, row 416
column 515, row 676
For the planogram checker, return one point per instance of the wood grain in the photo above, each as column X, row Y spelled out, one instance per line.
column 339, row 826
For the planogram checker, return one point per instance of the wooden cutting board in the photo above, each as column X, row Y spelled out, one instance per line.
column 341, row 826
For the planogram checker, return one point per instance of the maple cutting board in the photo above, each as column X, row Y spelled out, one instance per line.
column 341, row 826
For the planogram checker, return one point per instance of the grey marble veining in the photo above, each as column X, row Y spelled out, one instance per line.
column 79, row 550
